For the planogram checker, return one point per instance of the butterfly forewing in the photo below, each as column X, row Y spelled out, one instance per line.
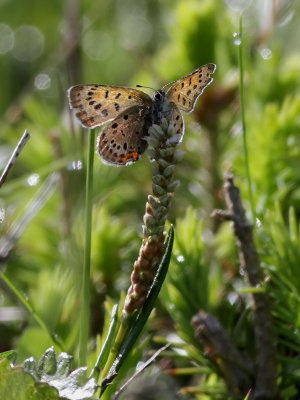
column 121, row 142
column 185, row 92
column 130, row 113
column 97, row 104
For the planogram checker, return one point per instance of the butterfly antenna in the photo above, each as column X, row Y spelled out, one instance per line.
column 146, row 87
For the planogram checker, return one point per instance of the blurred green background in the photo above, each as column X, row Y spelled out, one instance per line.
column 47, row 46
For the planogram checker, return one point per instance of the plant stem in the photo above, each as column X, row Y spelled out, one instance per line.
column 244, row 123
column 104, row 353
column 163, row 150
column 116, row 345
column 84, row 311
column 121, row 347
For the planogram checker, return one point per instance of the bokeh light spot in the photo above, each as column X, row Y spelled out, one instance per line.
column 135, row 32
column 97, row 45
column 42, row 81
column 238, row 5
column 29, row 43
column 7, row 38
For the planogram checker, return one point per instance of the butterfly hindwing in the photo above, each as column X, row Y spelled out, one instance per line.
column 185, row 92
column 121, row 142
column 97, row 104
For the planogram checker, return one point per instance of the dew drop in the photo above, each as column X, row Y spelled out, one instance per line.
column 2, row 215
column 140, row 365
column 237, row 39
column 75, row 165
column 291, row 141
column 29, row 364
column 266, row 53
column 25, row 295
column 236, row 130
column 180, row 258
column 33, row 180
column 258, row 222
column 296, row 331
column 232, row 298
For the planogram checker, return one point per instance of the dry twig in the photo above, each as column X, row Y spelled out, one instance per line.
column 217, row 342
column 266, row 374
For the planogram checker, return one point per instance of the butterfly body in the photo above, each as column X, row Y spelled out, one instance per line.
column 130, row 112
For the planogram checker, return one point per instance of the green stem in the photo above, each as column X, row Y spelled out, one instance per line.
column 244, row 124
column 84, row 311
column 122, row 332
column 102, row 358
column 32, row 311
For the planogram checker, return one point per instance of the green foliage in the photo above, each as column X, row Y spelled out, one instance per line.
column 10, row 355
column 49, row 377
column 15, row 383
column 276, row 128
column 281, row 257
column 111, row 240
column 188, row 287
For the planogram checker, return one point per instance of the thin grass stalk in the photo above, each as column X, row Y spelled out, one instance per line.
column 245, row 146
column 10, row 239
column 24, row 139
column 85, row 293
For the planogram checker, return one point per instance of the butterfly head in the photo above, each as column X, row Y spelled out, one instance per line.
column 160, row 100
column 159, row 95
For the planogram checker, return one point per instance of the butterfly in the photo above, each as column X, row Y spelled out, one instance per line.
column 130, row 112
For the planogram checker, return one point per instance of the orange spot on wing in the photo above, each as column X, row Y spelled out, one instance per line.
column 130, row 156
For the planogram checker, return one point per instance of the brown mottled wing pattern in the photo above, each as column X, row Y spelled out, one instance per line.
column 121, row 142
column 97, row 104
column 178, row 121
column 185, row 92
